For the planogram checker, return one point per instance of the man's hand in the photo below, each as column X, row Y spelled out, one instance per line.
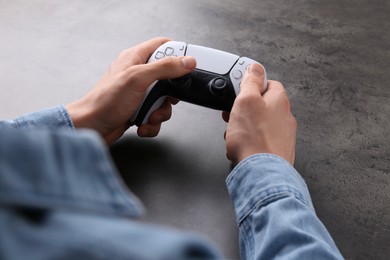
column 116, row 97
column 260, row 123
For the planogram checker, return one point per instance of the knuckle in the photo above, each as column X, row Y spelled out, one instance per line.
column 161, row 39
column 247, row 99
column 131, row 74
column 283, row 99
column 253, row 80
column 125, row 54
column 281, row 96
column 130, row 56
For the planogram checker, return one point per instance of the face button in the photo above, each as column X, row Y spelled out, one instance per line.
column 237, row 74
column 159, row 55
column 169, row 51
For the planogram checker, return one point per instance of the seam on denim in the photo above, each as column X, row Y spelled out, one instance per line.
column 17, row 124
column 271, row 197
column 244, row 237
column 252, row 158
column 265, row 196
column 65, row 115
column 118, row 200
column 67, row 202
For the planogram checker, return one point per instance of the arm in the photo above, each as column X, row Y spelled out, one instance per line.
column 51, row 117
column 116, row 97
column 274, row 211
column 273, row 206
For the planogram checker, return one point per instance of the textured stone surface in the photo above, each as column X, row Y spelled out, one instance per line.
column 332, row 56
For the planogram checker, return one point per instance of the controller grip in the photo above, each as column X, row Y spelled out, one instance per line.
column 156, row 95
column 154, row 99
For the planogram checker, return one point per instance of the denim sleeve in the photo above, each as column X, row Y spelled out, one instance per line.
column 61, row 197
column 275, row 214
column 51, row 117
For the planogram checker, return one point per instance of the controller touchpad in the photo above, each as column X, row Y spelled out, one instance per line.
column 212, row 60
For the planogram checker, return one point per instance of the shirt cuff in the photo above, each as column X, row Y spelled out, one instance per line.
column 51, row 117
column 261, row 179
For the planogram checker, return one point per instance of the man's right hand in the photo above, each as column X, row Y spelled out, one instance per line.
column 260, row 123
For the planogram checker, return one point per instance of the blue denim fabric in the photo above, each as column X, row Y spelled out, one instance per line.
column 48, row 118
column 61, row 198
column 275, row 214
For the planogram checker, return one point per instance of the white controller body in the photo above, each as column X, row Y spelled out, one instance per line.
column 214, row 83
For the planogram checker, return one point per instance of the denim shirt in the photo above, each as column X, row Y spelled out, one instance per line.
column 62, row 198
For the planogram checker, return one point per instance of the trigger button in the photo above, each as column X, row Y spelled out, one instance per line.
column 159, row 55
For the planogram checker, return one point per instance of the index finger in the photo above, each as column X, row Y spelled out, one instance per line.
column 139, row 54
column 146, row 49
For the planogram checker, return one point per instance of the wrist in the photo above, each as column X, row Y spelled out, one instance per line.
column 81, row 115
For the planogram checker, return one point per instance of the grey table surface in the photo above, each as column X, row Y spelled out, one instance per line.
column 332, row 56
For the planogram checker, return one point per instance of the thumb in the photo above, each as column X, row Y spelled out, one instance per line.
column 170, row 67
column 253, row 81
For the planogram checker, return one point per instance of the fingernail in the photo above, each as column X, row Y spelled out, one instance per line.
column 188, row 62
column 255, row 69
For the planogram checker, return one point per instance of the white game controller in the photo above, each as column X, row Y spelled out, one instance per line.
column 214, row 83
